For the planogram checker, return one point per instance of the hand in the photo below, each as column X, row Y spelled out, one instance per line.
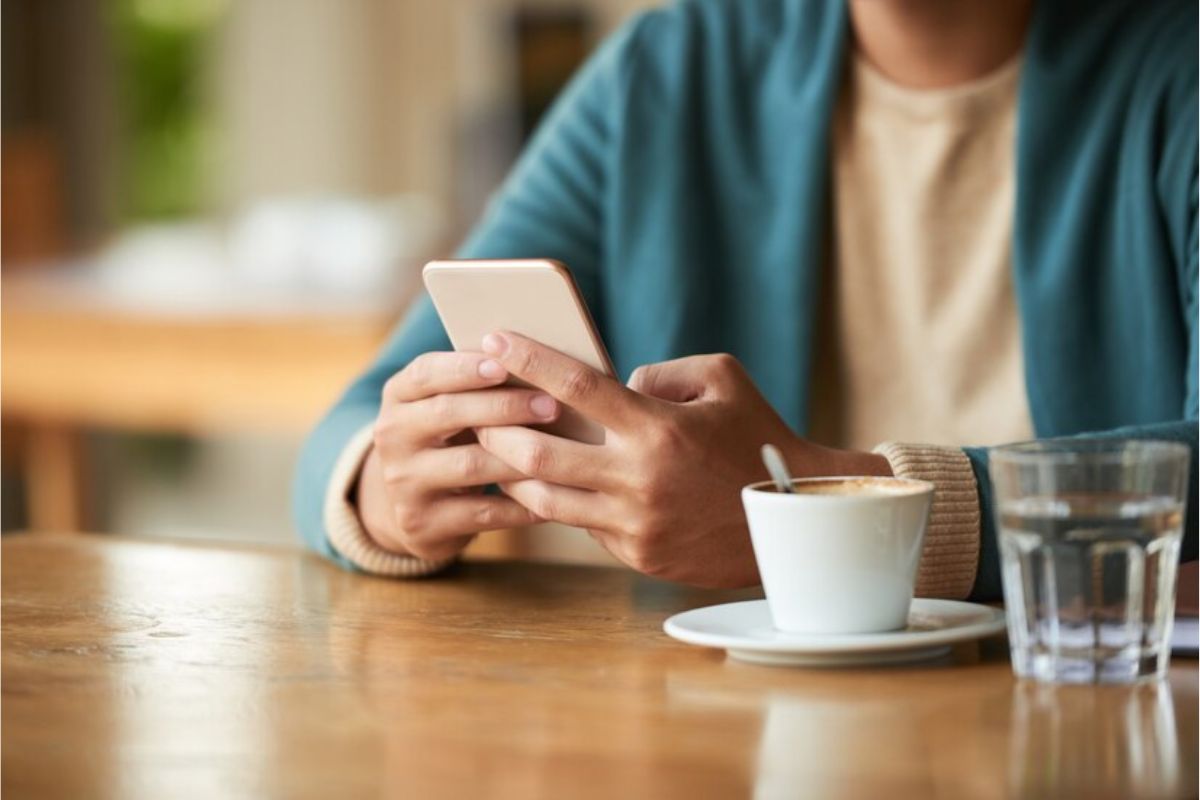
column 663, row 493
column 420, row 492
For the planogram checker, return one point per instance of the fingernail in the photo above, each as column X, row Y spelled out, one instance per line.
column 543, row 405
column 492, row 370
column 494, row 344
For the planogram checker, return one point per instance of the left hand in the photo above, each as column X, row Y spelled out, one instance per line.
column 663, row 493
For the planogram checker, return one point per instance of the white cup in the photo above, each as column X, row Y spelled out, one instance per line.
column 839, row 563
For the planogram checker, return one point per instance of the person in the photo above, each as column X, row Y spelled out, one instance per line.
column 880, row 234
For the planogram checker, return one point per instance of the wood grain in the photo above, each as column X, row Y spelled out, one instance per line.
column 135, row 669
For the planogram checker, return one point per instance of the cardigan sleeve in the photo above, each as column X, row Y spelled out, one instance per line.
column 950, row 554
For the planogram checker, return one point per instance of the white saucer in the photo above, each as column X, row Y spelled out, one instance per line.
column 745, row 630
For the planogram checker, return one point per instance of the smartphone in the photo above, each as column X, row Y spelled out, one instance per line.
column 536, row 298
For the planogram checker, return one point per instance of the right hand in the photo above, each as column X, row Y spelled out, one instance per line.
column 420, row 491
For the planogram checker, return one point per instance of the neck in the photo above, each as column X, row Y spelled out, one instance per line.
column 928, row 44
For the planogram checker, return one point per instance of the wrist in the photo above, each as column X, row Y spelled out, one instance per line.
column 855, row 462
column 813, row 461
column 873, row 464
column 368, row 495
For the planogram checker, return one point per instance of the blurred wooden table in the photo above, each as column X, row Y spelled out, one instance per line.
column 150, row 670
column 146, row 372
column 73, row 361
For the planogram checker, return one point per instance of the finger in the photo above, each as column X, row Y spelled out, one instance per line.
column 550, row 458
column 444, row 468
column 438, row 373
column 566, row 504
column 447, row 414
column 684, row 379
column 593, row 394
column 679, row 381
column 438, row 530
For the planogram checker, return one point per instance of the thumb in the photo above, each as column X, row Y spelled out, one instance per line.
column 679, row 381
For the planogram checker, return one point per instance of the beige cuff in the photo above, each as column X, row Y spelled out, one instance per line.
column 346, row 533
column 951, row 556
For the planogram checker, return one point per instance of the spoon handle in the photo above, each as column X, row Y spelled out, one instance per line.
column 777, row 467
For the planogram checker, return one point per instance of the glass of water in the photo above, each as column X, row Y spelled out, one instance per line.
column 1089, row 544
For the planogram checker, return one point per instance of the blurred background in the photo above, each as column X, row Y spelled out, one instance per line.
column 213, row 212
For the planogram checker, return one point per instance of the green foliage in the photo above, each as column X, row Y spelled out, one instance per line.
column 161, row 48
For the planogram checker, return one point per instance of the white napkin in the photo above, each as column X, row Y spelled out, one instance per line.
column 1185, row 637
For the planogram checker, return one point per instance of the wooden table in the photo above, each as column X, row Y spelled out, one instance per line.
column 74, row 361
column 134, row 669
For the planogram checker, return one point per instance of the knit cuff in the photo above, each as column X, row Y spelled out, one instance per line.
column 951, row 555
column 346, row 532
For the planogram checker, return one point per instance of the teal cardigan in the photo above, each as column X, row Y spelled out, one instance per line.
column 684, row 177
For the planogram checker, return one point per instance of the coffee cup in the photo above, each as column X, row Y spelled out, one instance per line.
column 840, row 555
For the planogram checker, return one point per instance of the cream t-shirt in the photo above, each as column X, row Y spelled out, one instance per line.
column 920, row 338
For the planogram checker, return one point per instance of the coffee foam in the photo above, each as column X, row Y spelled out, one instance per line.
column 852, row 486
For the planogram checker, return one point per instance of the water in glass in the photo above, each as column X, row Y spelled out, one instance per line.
column 1089, row 582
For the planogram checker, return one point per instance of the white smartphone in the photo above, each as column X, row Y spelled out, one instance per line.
column 536, row 298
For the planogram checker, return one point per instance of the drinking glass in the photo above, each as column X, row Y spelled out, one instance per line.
column 1089, row 544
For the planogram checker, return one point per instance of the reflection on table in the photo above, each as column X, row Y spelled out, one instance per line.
column 1133, row 747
